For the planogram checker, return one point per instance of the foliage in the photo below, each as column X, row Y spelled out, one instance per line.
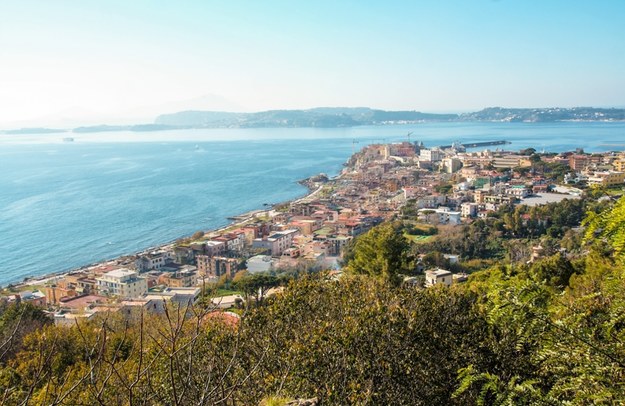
column 359, row 340
column 255, row 286
column 381, row 253
column 549, row 332
column 16, row 321
column 609, row 226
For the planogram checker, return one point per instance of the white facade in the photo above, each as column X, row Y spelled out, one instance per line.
column 214, row 248
column 438, row 277
column 153, row 260
column 431, row 201
column 182, row 296
column 519, row 192
column 468, row 209
column 431, row 155
column 277, row 242
column 445, row 215
column 122, row 283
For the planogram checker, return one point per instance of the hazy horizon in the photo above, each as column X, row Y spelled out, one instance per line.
column 67, row 63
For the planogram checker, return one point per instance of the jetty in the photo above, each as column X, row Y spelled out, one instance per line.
column 476, row 144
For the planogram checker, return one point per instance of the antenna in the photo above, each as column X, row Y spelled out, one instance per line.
column 354, row 142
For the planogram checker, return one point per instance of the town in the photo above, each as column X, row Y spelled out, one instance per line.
column 438, row 186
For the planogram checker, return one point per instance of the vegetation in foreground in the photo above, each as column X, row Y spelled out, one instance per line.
column 547, row 332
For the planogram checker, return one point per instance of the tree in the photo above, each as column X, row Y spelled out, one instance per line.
column 528, row 151
column 16, row 321
column 197, row 235
column 256, row 285
column 609, row 225
column 381, row 253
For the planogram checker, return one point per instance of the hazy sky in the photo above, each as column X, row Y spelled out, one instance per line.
column 130, row 59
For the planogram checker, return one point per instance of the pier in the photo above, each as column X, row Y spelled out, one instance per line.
column 476, row 144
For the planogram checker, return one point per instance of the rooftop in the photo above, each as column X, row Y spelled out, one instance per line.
column 438, row 272
column 119, row 273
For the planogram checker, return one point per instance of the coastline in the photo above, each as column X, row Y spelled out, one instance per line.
column 240, row 220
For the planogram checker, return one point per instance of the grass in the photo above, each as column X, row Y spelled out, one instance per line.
column 21, row 288
column 417, row 238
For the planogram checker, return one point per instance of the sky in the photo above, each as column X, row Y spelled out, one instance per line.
column 68, row 62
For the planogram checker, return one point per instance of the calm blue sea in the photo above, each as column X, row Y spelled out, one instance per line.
column 68, row 204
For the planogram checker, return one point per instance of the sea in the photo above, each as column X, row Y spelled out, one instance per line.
column 65, row 204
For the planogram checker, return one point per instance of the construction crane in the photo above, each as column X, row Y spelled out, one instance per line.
column 409, row 134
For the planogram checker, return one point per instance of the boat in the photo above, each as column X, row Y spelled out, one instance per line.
column 68, row 139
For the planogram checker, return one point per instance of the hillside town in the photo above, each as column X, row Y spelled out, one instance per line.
column 436, row 186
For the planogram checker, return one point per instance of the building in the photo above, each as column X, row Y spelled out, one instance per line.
column 431, row 201
column 578, row 162
column 444, row 215
column 499, row 199
column 438, row 277
column 35, row 297
column 405, row 149
column 184, row 296
column 214, row 267
column 619, row 165
column 518, row 191
column 452, row 165
column 214, row 248
column 479, row 195
column 511, row 161
column 277, row 242
column 122, row 283
column 336, row 243
column 607, row 178
column 234, row 242
column 431, row 155
column 152, row 260
column 468, row 209
column 182, row 278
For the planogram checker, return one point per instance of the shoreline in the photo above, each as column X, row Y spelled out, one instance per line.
column 240, row 220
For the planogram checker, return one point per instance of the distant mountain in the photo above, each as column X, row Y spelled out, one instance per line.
column 332, row 117
column 34, row 131
column 136, row 127
column 354, row 116
column 545, row 114
column 317, row 117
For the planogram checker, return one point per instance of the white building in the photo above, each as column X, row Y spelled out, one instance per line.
column 438, row 277
column 277, row 242
column 431, row 201
column 214, row 248
column 431, row 155
column 182, row 296
column 122, row 283
column 445, row 215
column 518, row 191
column 153, row 260
column 468, row 209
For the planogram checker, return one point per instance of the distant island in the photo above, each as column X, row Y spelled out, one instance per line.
column 335, row 117
column 350, row 117
column 34, row 131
